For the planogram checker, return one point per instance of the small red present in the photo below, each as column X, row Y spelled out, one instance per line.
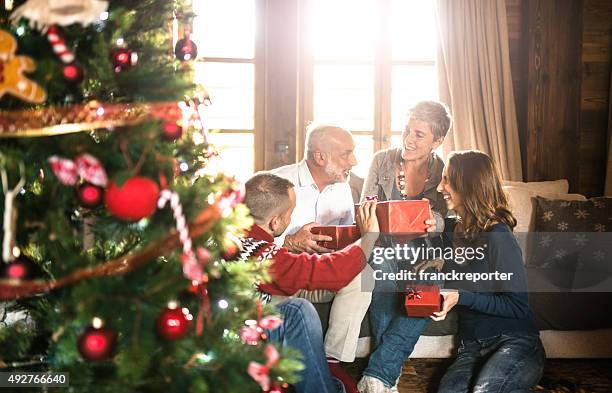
column 403, row 217
column 342, row 235
column 423, row 300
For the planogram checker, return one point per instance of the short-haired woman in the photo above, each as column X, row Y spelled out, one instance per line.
column 409, row 172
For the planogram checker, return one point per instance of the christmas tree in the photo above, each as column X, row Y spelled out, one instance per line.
column 117, row 241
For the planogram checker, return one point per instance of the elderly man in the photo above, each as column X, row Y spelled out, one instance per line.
column 271, row 200
column 323, row 197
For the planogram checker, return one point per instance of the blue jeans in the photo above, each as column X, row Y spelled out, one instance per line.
column 301, row 330
column 395, row 333
column 509, row 363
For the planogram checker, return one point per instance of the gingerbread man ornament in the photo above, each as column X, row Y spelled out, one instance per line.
column 12, row 80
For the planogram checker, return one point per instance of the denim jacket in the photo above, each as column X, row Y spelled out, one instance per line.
column 381, row 176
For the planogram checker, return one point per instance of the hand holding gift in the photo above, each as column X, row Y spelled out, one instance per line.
column 407, row 218
column 364, row 234
column 436, row 264
column 423, row 300
column 431, row 224
column 451, row 298
column 305, row 240
column 366, row 218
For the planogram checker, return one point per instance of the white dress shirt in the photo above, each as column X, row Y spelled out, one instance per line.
column 331, row 206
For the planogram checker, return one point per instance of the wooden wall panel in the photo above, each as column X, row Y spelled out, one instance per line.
column 553, row 88
column 560, row 53
column 594, row 105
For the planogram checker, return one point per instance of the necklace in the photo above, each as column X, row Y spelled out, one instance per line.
column 401, row 181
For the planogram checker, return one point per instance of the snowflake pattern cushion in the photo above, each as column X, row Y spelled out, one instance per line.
column 574, row 240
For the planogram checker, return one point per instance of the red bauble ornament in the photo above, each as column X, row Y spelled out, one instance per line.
column 73, row 73
column 134, row 200
column 172, row 130
column 185, row 49
column 173, row 322
column 97, row 343
column 90, row 195
column 124, row 58
column 21, row 268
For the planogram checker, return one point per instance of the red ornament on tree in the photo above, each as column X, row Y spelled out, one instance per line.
column 21, row 268
column 97, row 342
column 185, row 49
column 134, row 200
column 172, row 130
column 124, row 58
column 173, row 322
column 73, row 73
column 90, row 195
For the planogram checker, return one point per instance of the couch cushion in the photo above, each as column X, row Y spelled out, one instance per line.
column 553, row 186
column 571, row 264
column 572, row 232
column 589, row 215
column 522, row 204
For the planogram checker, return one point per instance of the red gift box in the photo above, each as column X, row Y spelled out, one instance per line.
column 342, row 235
column 403, row 217
column 423, row 300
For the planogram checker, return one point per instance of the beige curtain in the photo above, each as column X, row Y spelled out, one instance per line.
column 475, row 81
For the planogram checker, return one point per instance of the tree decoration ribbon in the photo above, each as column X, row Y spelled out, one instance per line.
column 261, row 372
column 84, row 166
column 192, row 268
column 58, row 120
column 206, row 219
column 414, row 293
column 10, row 212
column 252, row 333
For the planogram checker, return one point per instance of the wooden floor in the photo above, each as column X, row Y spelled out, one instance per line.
column 560, row 375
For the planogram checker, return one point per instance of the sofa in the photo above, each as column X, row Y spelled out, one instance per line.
column 572, row 325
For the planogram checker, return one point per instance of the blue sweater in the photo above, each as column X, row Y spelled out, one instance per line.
column 492, row 307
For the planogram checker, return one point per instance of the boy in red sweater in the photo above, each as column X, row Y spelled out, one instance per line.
column 271, row 200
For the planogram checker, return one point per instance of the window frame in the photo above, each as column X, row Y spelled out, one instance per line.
column 258, row 84
column 383, row 67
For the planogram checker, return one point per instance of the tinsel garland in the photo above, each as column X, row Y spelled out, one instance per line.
column 49, row 121
column 206, row 219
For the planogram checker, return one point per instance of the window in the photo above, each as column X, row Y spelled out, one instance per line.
column 366, row 63
column 224, row 32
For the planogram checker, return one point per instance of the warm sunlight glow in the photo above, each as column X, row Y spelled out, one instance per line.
column 231, row 89
column 225, row 28
column 413, row 30
column 364, row 146
column 236, row 154
column 342, row 29
column 344, row 94
column 410, row 84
